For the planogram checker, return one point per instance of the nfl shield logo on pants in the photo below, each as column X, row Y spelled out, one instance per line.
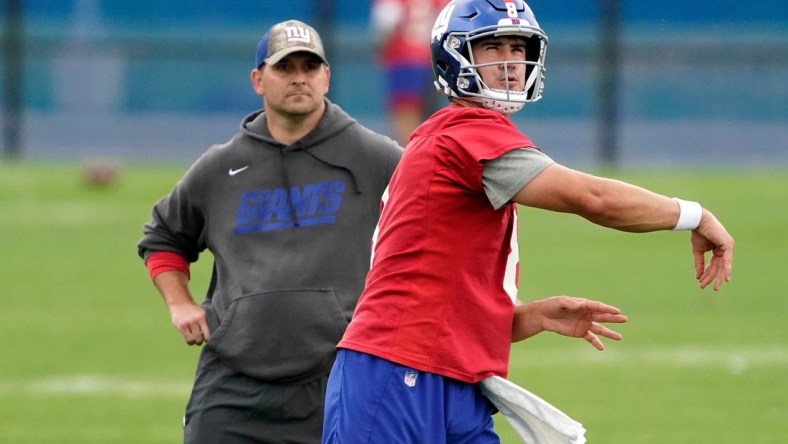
column 410, row 378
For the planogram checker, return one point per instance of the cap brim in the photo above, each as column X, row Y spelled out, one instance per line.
column 276, row 58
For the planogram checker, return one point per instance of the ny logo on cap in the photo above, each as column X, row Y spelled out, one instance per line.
column 297, row 34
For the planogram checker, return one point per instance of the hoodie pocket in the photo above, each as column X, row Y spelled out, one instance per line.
column 281, row 336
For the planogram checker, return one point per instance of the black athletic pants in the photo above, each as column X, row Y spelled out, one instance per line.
column 227, row 407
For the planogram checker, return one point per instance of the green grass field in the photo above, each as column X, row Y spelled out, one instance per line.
column 89, row 355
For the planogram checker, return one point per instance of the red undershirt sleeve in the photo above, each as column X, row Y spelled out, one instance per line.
column 162, row 261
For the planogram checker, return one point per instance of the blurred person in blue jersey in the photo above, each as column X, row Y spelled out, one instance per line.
column 287, row 207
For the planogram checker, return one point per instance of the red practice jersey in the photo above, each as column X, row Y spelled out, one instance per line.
column 440, row 295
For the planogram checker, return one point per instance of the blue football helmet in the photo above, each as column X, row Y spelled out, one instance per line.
column 463, row 21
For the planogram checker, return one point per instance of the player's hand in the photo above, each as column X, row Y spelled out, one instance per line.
column 712, row 236
column 189, row 319
column 580, row 318
column 568, row 316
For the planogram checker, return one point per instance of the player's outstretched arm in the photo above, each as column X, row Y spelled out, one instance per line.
column 568, row 316
column 607, row 202
column 626, row 207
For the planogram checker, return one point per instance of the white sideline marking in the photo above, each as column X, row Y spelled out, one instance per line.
column 96, row 385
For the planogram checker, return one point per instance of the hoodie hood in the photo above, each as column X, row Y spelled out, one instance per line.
column 333, row 122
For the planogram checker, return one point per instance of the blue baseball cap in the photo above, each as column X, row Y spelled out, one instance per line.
column 286, row 38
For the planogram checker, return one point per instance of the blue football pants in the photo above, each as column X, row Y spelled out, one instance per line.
column 372, row 400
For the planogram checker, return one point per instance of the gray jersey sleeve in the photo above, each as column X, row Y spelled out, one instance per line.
column 505, row 176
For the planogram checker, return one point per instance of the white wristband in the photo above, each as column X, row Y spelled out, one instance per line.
column 689, row 215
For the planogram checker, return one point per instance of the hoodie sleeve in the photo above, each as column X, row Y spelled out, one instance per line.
column 178, row 220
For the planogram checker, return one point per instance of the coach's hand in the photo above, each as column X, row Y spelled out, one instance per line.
column 568, row 316
column 189, row 319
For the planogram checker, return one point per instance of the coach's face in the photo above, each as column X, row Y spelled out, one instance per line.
column 496, row 50
column 294, row 87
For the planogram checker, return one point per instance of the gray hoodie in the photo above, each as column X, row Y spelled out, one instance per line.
column 290, row 230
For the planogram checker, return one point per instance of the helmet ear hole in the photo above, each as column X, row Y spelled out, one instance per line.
column 533, row 49
column 530, row 91
column 466, row 52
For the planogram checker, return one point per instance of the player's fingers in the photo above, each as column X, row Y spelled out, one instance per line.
column 716, row 272
column 593, row 340
column 721, row 277
column 610, row 318
column 700, row 263
column 599, row 307
column 706, row 278
column 727, row 264
column 717, row 276
column 604, row 331
column 709, row 273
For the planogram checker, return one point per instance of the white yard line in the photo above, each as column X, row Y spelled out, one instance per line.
column 735, row 359
column 96, row 385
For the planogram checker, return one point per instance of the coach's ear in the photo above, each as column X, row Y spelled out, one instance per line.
column 328, row 78
column 257, row 84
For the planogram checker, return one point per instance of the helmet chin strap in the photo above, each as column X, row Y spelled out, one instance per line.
column 502, row 105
